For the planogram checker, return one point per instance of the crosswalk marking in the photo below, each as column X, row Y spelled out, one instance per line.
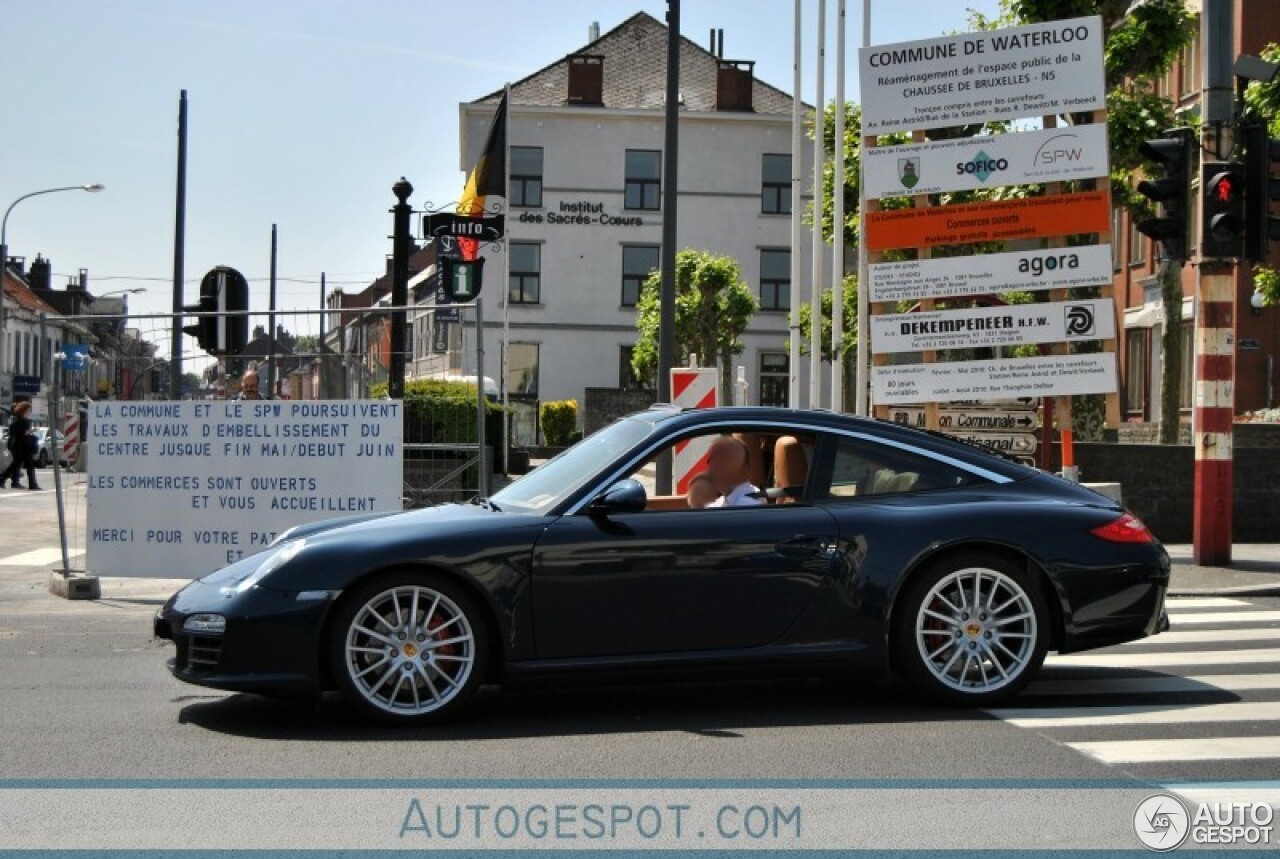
column 1265, row 792
column 1136, row 659
column 1212, row 636
column 1180, row 617
column 1161, row 750
column 36, row 558
column 1139, row 714
column 1205, row 602
column 1153, row 685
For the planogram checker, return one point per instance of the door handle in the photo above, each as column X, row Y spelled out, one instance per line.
column 803, row 546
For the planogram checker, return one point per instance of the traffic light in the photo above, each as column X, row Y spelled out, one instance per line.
column 1221, row 210
column 1261, row 228
column 223, row 291
column 1171, row 155
column 461, row 279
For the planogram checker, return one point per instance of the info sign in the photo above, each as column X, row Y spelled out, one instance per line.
column 179, row 489
column 988, row 161
column 1036, row 70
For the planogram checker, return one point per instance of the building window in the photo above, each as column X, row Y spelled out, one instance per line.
column 1190, row 62
column 775, row 185
column 775, row 279
column 1136, row 371
column 775, row 379
column 628, row 380
column 1137, row 243
column 522, row 370
column 525, row 283
column 1186, row 384
column 643, row 179
column 1117, row 221
column 526, row 177
column 637, row 263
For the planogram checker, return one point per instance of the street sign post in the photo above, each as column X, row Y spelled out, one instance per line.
column 970, row 419
column 27, row 386
column 486, row 228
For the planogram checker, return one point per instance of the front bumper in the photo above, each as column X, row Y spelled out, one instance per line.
column 272, row 642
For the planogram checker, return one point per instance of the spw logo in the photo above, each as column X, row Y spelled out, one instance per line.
column 981, row 166
column 1057, row 149
column 1079, row 320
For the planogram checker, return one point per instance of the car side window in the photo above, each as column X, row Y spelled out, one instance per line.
column 861, row 468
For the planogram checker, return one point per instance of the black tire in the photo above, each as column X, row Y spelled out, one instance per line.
column 1000, row 653
column 42, row 461
column 427, row 676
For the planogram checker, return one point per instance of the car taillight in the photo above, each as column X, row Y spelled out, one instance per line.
column 1127, row 529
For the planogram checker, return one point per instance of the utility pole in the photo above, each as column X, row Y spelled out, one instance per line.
column 1214, row 398
column 320, row 356
column 819, row 162
column 271, row 321
column 179, row 253
column 667, row 294
column 797, row 214
column 401, row 248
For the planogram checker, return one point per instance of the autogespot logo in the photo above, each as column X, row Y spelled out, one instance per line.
column 1161, row 822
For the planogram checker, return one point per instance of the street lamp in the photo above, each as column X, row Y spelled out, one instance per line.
column 132, row 291
column 4, row 255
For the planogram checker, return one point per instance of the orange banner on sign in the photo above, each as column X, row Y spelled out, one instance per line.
column 1034, row 217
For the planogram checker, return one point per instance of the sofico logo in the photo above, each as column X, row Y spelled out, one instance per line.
column 981, row 166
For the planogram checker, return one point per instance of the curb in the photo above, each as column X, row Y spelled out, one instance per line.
column 1239, row 591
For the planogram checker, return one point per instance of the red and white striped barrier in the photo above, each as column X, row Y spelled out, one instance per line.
column 70, row 438
column 1213, row 418
column 693, row 389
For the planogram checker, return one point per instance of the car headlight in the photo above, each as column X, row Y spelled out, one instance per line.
column 270, row 564
column 213, row 624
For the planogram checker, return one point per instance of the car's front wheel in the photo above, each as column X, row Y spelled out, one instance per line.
column 408, row 648
column 973, row 629
column 43, row 460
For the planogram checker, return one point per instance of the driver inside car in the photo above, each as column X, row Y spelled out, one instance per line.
column 728, row 465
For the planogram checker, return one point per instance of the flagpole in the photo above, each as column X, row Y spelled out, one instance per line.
column 797, row 216
column 860, row 405
column 837, row 245
column 819, row 161
column 506, row 298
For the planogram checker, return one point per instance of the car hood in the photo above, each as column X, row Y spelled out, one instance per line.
column 449, row 535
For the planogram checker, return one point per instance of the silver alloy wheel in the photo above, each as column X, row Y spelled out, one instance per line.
column 976, row 630
column 410, row 650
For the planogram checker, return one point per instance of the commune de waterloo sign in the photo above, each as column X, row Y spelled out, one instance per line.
column 1035, row 70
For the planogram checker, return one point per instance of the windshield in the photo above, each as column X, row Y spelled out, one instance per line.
column 542, row 489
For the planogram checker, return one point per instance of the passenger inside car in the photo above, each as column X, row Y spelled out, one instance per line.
column 701, row 492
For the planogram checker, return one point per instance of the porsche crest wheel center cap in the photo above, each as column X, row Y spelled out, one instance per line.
column 410, row 650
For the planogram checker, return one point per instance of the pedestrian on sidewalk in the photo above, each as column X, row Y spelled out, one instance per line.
column 21, row 443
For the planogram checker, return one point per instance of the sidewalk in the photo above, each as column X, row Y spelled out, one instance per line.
column 1254, row 571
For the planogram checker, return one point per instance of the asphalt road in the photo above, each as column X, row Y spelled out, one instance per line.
column 86, row 696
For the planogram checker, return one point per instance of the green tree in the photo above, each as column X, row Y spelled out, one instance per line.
column 1262, row 100
column 848, row 344
column 714, row 305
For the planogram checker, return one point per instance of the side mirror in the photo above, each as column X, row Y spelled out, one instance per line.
column 625, row 496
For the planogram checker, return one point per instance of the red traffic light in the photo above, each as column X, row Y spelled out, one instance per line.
column 1225, row 189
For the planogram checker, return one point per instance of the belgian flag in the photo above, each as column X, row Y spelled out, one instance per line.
column 487, row 179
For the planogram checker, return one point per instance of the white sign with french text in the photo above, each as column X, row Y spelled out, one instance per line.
column 989, row 161
column 991, row 274
column 1039, row 69
column 179, row 489
column 989, row 327
column 950, row 381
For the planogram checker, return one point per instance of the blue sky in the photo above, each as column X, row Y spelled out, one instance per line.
column 302, row 113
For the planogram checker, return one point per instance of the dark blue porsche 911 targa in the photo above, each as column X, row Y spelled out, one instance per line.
column 952, row 565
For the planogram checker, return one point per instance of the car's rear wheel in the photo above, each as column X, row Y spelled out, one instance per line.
column 43, row 460
column 408, row 648
column 973, row 629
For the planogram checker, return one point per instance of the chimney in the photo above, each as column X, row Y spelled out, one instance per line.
column 41, row 276
column 733, row 85
column 719, row 44
column 586, row 79
column 84, row 280
column 17, row 265
column 593, row 32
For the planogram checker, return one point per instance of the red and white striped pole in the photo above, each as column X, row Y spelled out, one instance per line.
column 1214, row 413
